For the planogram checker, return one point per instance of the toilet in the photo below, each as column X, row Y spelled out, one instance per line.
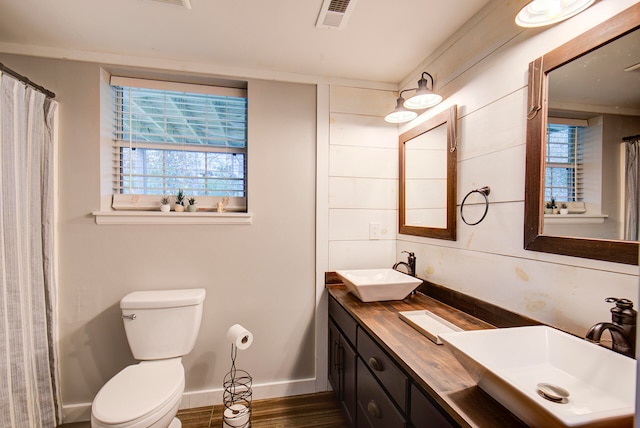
column 161, row 327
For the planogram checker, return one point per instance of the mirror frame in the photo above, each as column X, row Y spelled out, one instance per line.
column 597, row 249
column 448, row 117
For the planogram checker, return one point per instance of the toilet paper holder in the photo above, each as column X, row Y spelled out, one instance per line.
column 237, row 393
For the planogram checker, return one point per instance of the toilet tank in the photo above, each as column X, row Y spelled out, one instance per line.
column 162, row 324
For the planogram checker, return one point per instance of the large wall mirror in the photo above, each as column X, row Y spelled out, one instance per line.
column 428, row 159
column 582, row 138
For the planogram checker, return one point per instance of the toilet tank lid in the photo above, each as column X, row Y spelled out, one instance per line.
column 163, row 299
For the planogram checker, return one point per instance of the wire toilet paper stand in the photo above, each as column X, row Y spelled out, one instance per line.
column 236, row 396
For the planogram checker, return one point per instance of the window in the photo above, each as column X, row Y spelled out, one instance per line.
column 170, row 136
column 563, row 175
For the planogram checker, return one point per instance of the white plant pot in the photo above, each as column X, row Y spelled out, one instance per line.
column 165, row 208
column 564, row 211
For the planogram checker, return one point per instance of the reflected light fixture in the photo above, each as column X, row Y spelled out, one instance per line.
column 424, row 97
column 400, row 114
column 539, row 13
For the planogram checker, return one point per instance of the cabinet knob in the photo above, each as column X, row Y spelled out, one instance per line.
column 374, row 409
column 375, row 364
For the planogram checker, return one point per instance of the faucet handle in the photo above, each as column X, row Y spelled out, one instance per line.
column 621, row 303
column 622, row 312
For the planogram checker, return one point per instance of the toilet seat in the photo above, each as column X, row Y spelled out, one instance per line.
column 139, row 395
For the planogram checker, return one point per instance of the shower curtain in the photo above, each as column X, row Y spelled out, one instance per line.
column 28, row 367
column 631, row 196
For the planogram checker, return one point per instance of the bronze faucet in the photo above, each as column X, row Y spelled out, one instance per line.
column 411, row 265
column 622, row 327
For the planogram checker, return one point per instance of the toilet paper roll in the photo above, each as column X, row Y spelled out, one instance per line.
column 240, row 336
column 236, row 415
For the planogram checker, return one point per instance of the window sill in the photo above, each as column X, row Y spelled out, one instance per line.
column 158, row 217
column 574, row 218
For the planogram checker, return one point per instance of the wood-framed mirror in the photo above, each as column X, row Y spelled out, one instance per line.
column 548, row 104
column 428, row 178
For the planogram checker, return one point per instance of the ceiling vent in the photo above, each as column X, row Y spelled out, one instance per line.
column 334, row 14
column 183, row 3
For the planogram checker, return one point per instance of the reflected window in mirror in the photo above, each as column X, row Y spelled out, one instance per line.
column 427, row 193
column 564, row 162
column 584, row 100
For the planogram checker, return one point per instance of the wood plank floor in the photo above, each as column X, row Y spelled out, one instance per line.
column 303, row 411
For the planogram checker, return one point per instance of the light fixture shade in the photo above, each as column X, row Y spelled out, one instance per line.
column 400, row 114
column 424, row 97
column 539, row 13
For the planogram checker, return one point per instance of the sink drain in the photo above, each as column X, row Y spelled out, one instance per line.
column 553, row 393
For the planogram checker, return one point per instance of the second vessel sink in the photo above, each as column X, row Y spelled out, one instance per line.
column 376, row 285
column 518, row 366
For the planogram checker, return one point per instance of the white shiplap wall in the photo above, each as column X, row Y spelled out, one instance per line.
column 488, row 82
column 363, row 178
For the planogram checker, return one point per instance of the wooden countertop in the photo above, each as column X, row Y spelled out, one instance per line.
column 429, row 365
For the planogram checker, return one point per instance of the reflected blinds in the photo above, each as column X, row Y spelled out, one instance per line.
column 564, row 163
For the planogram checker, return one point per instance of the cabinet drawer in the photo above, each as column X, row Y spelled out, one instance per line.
column 424, row 413
column 383, row 368
column 344, row 321
column 375, row 409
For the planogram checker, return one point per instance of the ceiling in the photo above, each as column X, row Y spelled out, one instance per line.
column 606, row 80
column 382, row 41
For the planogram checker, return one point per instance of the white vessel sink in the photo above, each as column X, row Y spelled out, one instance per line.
column 510, row 363
column 376, row 285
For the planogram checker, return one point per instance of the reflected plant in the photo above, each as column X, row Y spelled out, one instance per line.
column 180, row 197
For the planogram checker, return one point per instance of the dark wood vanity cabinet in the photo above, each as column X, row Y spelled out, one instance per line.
column 374, row 391
column 424, row 412
column 376, row 409
column 342, row 359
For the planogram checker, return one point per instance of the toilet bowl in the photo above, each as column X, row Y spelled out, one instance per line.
column 161, row 327
column 142, row 395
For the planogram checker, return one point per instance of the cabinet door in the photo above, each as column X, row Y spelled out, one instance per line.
column 334, row 358
column 348, row 379
column 342, row 371
column 424, row 413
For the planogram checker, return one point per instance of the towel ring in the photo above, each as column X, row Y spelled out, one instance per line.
column 484, row 191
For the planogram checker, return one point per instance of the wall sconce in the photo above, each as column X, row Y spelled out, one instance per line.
column 400, row 114
column 539, row 13
column 422, row 99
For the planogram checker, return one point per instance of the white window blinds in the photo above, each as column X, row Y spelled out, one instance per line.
column 170, row 136
column 564, row 163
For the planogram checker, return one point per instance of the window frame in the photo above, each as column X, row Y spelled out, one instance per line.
column 575, row 186
column 138, row 201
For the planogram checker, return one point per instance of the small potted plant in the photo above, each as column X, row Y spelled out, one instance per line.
column 179, row 205
column 552, row 204
column 192, row 205
column 164, row 204
column 548, row 208
column 564, row 209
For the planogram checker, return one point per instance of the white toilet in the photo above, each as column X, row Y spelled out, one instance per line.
column 161, row 327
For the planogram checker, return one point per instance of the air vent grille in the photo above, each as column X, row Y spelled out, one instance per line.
column 334, row 14
column 339, row 6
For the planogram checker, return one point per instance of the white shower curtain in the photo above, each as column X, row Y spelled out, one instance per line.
column 28, row 381
column 631, row 196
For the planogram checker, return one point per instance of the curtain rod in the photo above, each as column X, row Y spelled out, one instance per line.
column 26, row 81
column 631, row 138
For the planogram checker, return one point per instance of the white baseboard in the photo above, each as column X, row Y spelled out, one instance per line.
column 81, row 412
